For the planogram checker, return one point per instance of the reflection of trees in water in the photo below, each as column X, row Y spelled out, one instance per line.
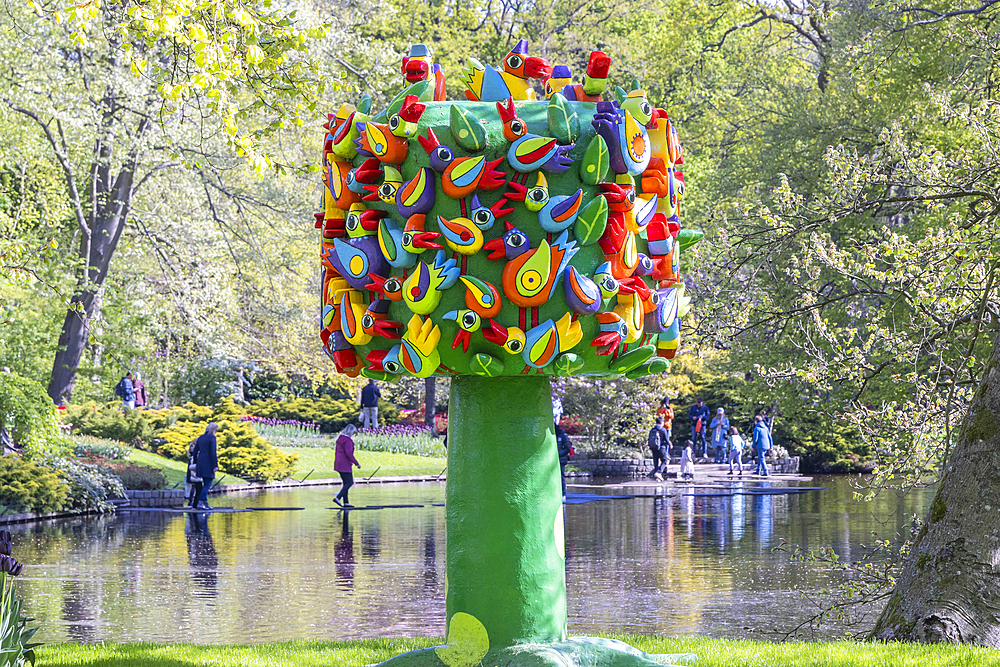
column 370, row 547
column 202, row 558
column 80, row 618
column 343, row 554
column 430, row 575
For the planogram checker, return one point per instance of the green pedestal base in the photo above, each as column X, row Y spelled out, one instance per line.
column 574, row 652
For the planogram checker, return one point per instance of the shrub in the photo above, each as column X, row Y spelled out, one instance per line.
column 109, row 421
column 135, row 477
column 29, row 487
column 90, row 485
column 242, row 452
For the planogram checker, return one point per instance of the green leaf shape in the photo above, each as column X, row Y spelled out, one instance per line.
column 590, row 224
column 467, row 129
column 655, row 365
column 632, row 359
column 688, row 237
column 364, row 104
column 486, row 365
column 596, row 162
column 568, row 364
column 564, row 123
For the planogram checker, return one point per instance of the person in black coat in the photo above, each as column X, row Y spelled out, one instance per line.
column 206, row 462
column 563, row 448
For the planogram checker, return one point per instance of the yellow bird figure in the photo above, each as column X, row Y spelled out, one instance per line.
column 419, row 353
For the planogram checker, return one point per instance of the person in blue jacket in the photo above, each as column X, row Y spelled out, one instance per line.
column 699, row 411
column 761, row 443
column 718, row 435
column 206, row 462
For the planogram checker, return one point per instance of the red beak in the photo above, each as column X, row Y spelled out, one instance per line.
column 388, row 329
column 461, row 337
column 495, row 333
column 496, row 247
column 425, row 240
column 375, row 358
column 537, row 68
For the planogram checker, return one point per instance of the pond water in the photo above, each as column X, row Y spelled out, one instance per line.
column 685, row 565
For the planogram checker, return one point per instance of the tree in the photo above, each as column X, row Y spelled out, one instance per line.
column 516, row 298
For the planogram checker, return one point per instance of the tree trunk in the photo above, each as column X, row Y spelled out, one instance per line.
column 505, row 588
column 949, row 589
column 72, row 340
column 430, row 403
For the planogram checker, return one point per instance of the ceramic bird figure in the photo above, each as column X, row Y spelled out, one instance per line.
column 583, row 296
column 355, row 259
column 462, row 176
column 492, row 84
column 391, row 288
column 415, row 238
column 376, row 322
column 511, row 339
column 530, row 152
column 378, row 141
column 362, row 221
column 416, row 196
column 613, row 331
column 461, row 234
column 403, row 123
column 561, row 77
column 547, row 340
column 555, row 213
column 385, row 360
column 594, row 82
column 390, row 241
column 386, row 191
column 419, row 354
column 423, row 287
column 352, row 309
column 626, row 137
column 468, row 322
column 605, row 281
column 485, row 216
column 530, row 275
column 416, row 65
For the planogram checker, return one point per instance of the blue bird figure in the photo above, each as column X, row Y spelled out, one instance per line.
column 392, row 245
column 530, row 152
column 555, row 213
column 355, row 259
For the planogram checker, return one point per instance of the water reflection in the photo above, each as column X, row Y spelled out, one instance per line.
column 687, row 564
column 202, row 558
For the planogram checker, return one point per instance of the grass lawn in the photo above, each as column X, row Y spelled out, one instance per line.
column 388, row 465
column 174, row 471
column 711, row 653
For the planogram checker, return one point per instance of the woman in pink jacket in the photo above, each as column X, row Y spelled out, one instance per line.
column 342, row 462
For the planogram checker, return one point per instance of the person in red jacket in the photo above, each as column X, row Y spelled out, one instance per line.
column 343, row 459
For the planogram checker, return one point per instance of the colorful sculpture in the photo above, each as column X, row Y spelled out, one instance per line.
column 580, row 277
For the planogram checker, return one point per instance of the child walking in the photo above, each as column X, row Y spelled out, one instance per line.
column 735, row 450
column 687, row 461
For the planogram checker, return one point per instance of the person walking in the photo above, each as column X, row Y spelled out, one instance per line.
column 565, row 449
column 206, row 463
column 699, row 424
column 193, row 482
column 667, row 413
column 657, row 442
column 735, row 450
column 719, row 428
column 370, row 394
column 762, row 444
column 140, row 392
column 125, row 390
column 343, row 459
column 687, row 461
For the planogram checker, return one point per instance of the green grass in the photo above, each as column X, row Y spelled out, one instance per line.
column 174, row 471
column 387, row 464
column 711, row 653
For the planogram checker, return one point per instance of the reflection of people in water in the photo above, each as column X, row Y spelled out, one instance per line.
column 343, row 554
column 202, row 558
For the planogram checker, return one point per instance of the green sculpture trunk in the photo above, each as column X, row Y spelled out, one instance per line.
column 506, row 557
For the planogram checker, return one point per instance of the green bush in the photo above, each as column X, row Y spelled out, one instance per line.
column 29, row 487
column 135, row 477
column 90, row 485
column 90, row 446
column 823, row 445
column 26, row 411
column 330, row 413
column 109, row 421
column 242, row 452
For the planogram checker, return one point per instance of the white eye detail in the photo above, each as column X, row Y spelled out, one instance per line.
column 394, row 122
column 482, row 217
column 391, row 367
column 444, row 154
column 537, row 195
column 469, row 319
column 514, row 61
column 352, row 222
column 367, row 322
column 392, row 286
column 515, row 240
column 407, row 238
column 514, row 345
column 646, row 109
column 630, row 196
column 385, row 190
column 517, row 127
column 350, row 177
